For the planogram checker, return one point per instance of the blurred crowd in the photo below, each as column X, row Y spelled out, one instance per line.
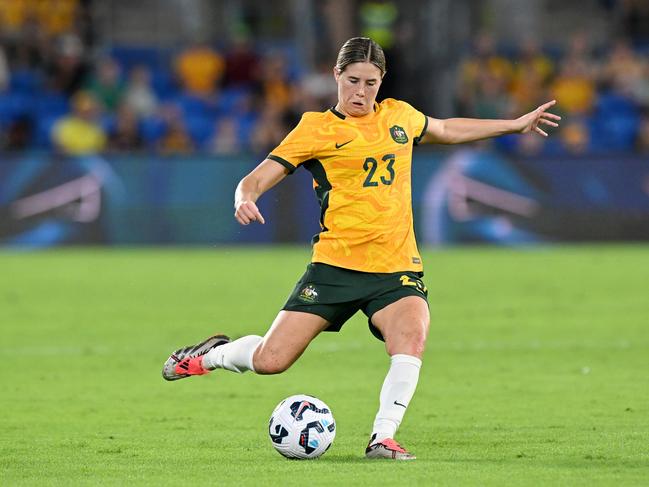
column 60, row 91
column 602, row 94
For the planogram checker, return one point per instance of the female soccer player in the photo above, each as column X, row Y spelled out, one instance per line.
column 365, row 256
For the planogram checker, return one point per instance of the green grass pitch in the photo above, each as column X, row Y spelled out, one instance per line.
column 536, row 371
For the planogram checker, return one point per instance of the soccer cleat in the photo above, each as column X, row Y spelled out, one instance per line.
column 187, row 361
column 387, row 448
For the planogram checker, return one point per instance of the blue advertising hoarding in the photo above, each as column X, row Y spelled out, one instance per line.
column 463, row 196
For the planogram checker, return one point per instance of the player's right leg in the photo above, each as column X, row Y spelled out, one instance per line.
column 403, row 324
column 285, row 341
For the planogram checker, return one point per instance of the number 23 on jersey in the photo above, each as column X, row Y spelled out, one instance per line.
column 379, row 172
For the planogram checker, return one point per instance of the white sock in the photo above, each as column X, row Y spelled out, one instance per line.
column 398, row 387
column 235, row 356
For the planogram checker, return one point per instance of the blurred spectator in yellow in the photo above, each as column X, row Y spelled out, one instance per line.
column 484, row 61
column 56, row 16
column 241, row 62
column 176, row 140
column 200, row 69
column 106, row 84
column 225, row 139
column 574, row 86
column 573, row 89
column 126, row 136
column 139, row 94
column 13, row 14
column 532, row 71
column 79, row 133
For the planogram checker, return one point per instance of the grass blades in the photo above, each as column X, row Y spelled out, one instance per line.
column 536, row 370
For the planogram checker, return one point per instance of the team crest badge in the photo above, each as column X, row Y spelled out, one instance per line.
column 309, row 294
column 398, row 134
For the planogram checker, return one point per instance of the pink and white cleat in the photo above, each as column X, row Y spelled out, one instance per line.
column 187, row 361
column 387, row 448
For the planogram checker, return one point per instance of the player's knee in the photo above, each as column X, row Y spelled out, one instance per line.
column 413, row 345
column 409, row 339
column 267, row 364
column 418, row 345
column 267, row 368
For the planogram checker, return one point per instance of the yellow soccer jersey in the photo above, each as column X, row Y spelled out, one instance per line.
column 361, row 176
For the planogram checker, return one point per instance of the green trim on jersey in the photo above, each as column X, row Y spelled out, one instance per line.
column 323, row 186
column 337, row 113
column 291, row 168
column 423, row 132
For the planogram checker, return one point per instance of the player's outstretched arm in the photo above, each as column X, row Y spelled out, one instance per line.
column 250, row 188
column 459, row 130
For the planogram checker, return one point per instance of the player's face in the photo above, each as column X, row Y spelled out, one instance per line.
column 358, row 85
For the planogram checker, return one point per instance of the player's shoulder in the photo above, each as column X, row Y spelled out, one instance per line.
column 394, row 104
column 312, row 119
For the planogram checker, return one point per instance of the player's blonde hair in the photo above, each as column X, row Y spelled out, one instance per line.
column 358, row 50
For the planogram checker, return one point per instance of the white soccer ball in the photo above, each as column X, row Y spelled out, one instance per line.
column 302, row 426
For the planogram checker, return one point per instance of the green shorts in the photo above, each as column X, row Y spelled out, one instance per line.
column 336, row 294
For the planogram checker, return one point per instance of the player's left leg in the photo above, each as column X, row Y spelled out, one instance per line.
column 404, row 325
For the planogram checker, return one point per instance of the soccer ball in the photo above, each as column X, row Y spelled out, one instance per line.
column 302, row 426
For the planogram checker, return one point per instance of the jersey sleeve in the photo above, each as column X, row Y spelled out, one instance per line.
column 297, row 146
column 418, row 122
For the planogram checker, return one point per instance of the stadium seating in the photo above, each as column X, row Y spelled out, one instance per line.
column 613, row 124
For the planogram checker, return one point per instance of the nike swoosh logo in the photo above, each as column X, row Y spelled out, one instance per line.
column 399, row 404
column 338, row 146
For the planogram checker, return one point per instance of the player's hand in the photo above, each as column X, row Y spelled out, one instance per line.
column 531, row 121
column 246, row 212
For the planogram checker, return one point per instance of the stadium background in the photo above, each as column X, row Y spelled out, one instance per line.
column 131, row 122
